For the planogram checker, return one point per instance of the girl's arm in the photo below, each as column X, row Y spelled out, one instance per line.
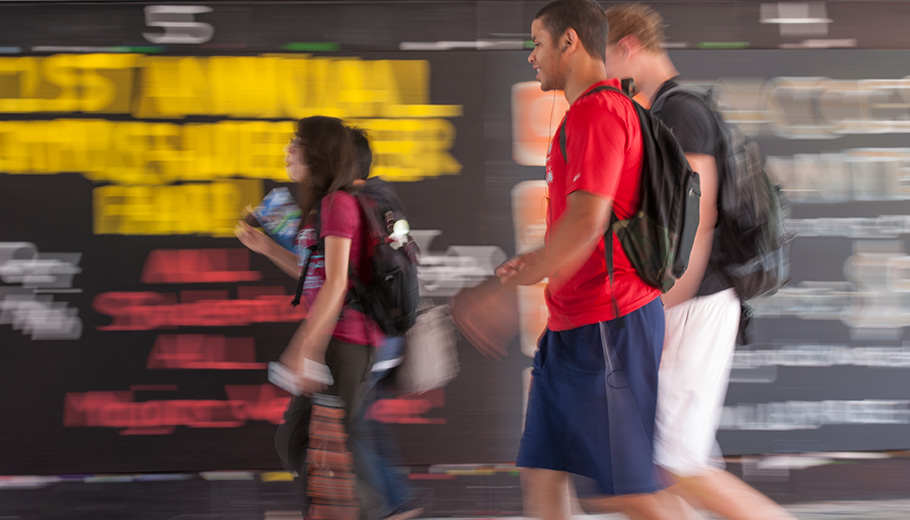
column 313, row 335
column 261, row 243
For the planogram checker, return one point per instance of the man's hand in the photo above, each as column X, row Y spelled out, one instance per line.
column 487, row 316
column 523, row 269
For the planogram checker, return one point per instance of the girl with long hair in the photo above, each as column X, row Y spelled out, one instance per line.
column 331, row 246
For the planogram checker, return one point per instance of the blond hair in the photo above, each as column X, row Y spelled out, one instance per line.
column 636, row 20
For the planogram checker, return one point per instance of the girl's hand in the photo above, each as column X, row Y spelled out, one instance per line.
column 312, row 374
column 315, row 378
column 254, row 239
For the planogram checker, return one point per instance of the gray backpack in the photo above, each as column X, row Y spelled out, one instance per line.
column 753, row 240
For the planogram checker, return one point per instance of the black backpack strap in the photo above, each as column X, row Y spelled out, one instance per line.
column 562, row 126
column 562, row 140
column 707, row 98
column 666, row 90
column 608, row 253
column 562, row 131
column 358, row 292
column 298, row 292
column 301, row 278
column 608, row 244
column 744, row 335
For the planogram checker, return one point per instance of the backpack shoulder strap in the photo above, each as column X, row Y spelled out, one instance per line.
column 674, row 89
column 372, row 234
column 658, row 102
column 317, row 244
column 562, row 126
column 608, row 249
column 704, row 97
column 373, row 227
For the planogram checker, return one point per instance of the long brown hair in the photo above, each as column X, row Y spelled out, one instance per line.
column 328, row 151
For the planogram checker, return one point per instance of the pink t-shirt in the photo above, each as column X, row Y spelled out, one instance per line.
column 340, row 217
column 603, row 144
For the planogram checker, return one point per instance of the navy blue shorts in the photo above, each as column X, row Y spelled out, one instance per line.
column 592, row 404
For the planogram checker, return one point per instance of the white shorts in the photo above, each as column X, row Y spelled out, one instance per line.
column 692, row 384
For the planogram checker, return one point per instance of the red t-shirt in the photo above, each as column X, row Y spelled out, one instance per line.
column 340, row 217
column 603, row 143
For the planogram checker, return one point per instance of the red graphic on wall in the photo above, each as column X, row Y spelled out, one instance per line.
column 198, row 266
column 147, row 310
column 409, row 408
column 203, row 351
column 152, row 310
column 119, row 409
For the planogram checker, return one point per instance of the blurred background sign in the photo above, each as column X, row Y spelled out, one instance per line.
column 134, row 328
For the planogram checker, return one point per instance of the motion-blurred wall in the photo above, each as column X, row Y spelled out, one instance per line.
column 134, row 328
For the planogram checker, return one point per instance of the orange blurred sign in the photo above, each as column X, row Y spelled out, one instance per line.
column 529, row 212
column 535, row 118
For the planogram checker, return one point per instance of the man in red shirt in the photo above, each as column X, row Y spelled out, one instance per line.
column 593, row 397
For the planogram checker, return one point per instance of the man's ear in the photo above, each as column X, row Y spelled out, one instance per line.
column 628, row 46
column 570, row 39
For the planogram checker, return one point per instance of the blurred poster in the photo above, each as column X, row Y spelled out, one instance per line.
column 135, row 329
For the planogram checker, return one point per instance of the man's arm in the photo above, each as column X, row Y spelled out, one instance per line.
column 687, row 285
column 574, row 236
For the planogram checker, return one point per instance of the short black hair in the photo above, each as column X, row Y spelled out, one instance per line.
column 585, row 16
column 364, row 152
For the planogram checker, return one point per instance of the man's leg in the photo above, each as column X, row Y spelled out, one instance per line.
column 633, row 486
column 376, row 445
column 694, row 373
column 546, row 493
column 661, row 505
column 618, row 471
column 726, row 495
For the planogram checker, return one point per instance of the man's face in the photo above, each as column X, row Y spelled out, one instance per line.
column 546, row 58
column 616, row 65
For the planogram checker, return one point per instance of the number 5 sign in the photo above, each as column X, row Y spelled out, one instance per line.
column 178, row 24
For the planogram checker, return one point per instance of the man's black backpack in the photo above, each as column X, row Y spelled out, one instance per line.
column 753, row 240
column 390, row 294
column 658, row 238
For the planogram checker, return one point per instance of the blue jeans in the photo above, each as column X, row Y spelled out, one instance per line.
column 375, row 447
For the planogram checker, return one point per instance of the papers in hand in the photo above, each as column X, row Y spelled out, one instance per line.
column 290, row 381
column 279, row 215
